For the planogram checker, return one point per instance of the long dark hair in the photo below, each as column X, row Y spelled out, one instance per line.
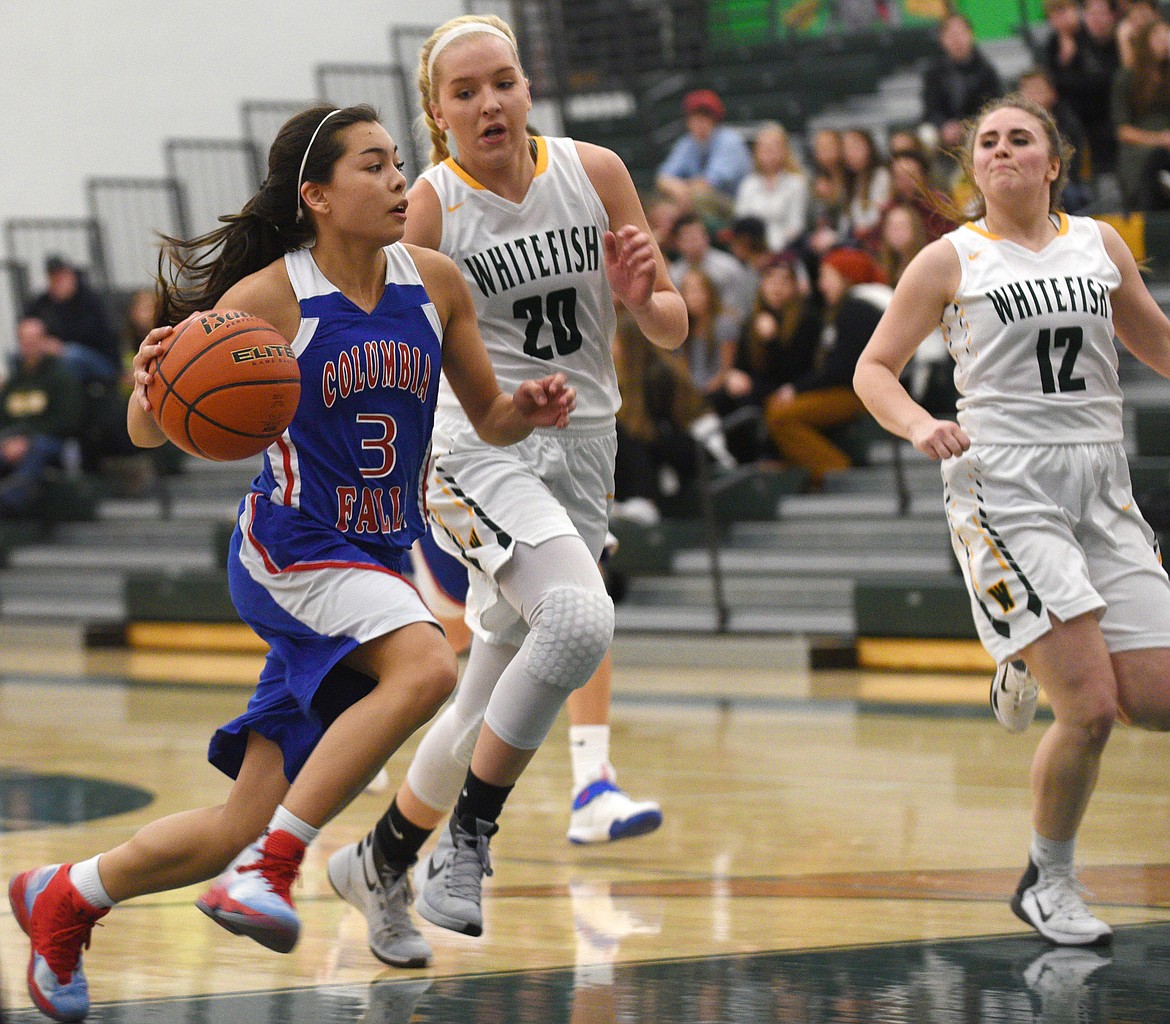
column 1151, row 74
column 193, row 274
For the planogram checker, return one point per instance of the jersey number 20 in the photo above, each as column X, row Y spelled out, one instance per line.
column 560, row 310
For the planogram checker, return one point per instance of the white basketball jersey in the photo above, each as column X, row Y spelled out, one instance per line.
column 1032, row 337
column 537, row 272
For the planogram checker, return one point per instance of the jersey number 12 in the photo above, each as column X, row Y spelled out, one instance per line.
column 1070, row 339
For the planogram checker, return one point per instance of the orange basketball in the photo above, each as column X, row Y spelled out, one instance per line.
column 226, row 386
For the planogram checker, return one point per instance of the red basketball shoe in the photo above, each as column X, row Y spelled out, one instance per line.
column 58, row 922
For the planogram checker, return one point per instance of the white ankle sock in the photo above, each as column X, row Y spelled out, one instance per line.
column 589, row 751
column 1052, row 856
column 88, row 882
column 288, row 822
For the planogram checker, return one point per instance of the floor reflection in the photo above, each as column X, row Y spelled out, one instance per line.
column 991, row 981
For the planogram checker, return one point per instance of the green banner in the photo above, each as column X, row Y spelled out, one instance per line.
column 744, row 22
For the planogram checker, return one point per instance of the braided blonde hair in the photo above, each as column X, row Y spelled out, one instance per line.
column 426, row 88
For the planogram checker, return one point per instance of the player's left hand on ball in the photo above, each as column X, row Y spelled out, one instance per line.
column 547, row 402
column 147, row 356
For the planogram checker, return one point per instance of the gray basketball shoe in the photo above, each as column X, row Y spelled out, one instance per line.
column 450, row 881
column 384, row 902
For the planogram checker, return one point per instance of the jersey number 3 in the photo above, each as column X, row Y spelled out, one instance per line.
column 560, row 310
column 1070, row 339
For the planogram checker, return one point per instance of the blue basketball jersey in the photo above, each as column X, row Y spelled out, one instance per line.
column 355, row 455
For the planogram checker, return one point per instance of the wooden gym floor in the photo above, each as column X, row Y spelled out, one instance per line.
column 838, row 847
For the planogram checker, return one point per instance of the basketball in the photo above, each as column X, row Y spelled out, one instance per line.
column 226, row 386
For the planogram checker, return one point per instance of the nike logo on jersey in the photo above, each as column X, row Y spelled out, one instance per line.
column 452, row 209
column 972, row 255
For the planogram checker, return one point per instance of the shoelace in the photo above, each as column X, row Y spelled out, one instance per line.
column 469, row 864
column 62, row 948
column 278, row 872
column 1066, row 894
column 395, row 896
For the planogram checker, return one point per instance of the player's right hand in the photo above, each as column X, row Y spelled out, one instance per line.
column 940, row 439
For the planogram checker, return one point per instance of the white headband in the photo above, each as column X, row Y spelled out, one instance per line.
column 305, row 160
column 466, row 29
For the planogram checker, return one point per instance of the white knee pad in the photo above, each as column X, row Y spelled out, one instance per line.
column 571, row 629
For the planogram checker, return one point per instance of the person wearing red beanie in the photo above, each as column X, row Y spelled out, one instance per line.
column 705, row 166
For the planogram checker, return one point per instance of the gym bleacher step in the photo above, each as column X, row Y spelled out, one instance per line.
column 109, row 558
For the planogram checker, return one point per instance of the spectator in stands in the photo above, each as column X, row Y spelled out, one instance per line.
column 747, row 241
column 957, row 82
column 1038, row 85
column 1136, row 16
column 903, row 140
column 1082, row 56
column 709, row 347
column 902, row 237
column 867, row 185
column 662, row 214
column 776, row 347
column 656, row 453
column 827, row 223
column 777, row 190
column 1141, row 110
column 77, row 315
column 734, row 283
column 910, row 185
column 799, row 414
column 140, row 315
column 705, row 167
column 39, row 405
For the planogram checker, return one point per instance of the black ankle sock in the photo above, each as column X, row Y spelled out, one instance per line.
column 479, row 800
column 397, row 840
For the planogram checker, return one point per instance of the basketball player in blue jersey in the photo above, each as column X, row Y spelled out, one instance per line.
column 548, row 233
column 1063, row 572
column 356, row 663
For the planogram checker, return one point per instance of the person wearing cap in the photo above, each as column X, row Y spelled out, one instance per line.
column 75, row 313
column 705, row 166
column 798, row 414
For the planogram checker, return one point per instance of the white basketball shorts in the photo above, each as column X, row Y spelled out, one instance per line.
column 483, row 500
column 1044, row 530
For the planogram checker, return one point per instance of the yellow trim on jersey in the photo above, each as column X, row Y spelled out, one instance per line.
column 540, row 155
column 1061, row 228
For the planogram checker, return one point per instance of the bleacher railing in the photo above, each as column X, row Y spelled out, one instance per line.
column 31, row 240
column 384, row 87
column 216, row 176
column 132, row 212
column 13, row 292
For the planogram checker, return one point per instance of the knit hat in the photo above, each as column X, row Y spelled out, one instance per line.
column 855, row 266
column 703, row 101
